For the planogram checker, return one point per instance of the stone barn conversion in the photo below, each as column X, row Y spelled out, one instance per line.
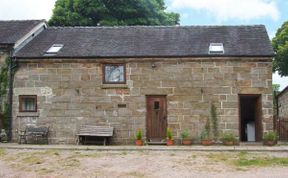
column 147, row 78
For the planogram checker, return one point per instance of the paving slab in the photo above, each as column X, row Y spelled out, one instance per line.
column 252, row 148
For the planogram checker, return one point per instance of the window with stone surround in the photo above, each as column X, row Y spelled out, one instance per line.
column 27, row 103
column 114, row 74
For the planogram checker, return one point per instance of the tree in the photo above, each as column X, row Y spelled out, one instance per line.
column 111, row 12
column 280, row 45
column 275, row 89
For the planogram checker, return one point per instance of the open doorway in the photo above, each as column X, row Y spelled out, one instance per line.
column 250, row 118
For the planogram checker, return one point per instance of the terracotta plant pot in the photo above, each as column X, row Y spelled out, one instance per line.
column 269, row 142
column 170, row 142
column 186, row 141
column 207, row 142
column 139, row 142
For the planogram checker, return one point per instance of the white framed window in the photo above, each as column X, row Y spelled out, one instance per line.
column 55, row 48
column 216, row 48
column 114, row 74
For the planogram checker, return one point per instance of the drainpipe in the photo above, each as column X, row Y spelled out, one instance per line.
column 10, row 94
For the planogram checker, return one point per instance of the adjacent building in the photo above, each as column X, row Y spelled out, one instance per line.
column 283, row 103
column 15, row 34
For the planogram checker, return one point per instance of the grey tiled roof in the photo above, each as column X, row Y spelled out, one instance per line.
column 149, row 41
column 13, row 30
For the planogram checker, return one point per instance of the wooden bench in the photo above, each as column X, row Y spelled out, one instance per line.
column 36, row 132
column 94, row 131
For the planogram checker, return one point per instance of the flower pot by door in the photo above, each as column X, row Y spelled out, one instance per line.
column 186, row 141
column 170, row 142
column 207, row 142
column 139, row 142
column 269, row 142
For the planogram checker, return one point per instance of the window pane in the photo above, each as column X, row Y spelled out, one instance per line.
column 156, row 105
column 28, row 103
column 114, row 73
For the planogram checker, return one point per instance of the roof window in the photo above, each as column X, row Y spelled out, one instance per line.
column 216, row 48
column 55, row 48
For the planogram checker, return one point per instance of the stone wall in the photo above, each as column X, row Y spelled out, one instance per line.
column 283, row 104
column 71, row 93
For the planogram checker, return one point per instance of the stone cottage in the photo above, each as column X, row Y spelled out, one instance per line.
column 14, row 34
column 283, row 103
column 147, row 78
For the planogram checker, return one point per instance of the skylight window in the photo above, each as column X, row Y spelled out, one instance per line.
column 55, row 48
column 216, row 48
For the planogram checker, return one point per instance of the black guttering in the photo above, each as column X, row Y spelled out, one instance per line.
column 114, row 57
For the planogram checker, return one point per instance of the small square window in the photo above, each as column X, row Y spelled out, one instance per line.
column 114, row 74
column 156, row 105
column 28, row 103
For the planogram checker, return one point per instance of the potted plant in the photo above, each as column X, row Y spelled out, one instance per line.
column 185, row 139
column 170, row 140
column 205, row 138
column 270, row 138
column 139, row 141
column 228, row 139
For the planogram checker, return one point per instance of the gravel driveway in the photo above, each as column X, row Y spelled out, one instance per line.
column 61, row 164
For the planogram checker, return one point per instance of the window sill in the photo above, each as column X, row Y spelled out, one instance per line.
column 117, row 86
column 28, row 114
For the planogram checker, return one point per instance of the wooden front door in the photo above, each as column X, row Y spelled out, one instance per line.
column 156, row 119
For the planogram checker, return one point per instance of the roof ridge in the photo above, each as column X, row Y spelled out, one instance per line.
column 146, row 26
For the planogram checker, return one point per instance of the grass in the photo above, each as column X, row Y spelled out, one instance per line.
column 261, row 162
column 45, row 171
column 31, row 159
column 244, row 160
column 136, row 174
column 2, row 152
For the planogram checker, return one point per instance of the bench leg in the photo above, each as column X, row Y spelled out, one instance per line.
column 77, row 140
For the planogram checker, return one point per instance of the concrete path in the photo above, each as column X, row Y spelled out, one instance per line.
column 256, row 148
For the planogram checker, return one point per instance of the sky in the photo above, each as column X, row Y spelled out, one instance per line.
column 271, row 13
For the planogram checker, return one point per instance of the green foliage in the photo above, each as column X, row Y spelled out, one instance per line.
column 280, row 45
column 2, row 152
column 214, row 119
column 169, row 134
column 275, row 88
column 185, row 134
column 261, row 162
column 6, row 117
column 228, row 137
column 139, row 134
column 4, row 81
column 205, row 135
column 211, row 121
column 270, row 136
column 111, row 13
column 207, row 126
column 4, row 78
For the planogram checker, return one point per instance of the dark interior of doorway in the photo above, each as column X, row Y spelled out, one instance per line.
column 250, row 116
